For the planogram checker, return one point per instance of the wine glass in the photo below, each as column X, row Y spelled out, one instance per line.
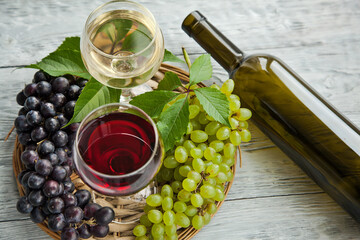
column 117, row 150
column 122, row 45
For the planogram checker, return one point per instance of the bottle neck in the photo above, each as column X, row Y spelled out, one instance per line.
column 212, row 40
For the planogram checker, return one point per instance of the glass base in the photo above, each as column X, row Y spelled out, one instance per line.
column 128, row 93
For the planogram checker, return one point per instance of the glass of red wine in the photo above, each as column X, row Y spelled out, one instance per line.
column 117, row 150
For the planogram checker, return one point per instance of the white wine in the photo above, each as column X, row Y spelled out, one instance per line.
column 122, row 48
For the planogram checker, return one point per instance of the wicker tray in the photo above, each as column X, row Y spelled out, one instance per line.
column 125, row 209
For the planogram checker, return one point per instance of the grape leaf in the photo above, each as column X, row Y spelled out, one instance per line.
column 93, row 96
column 173, row 122
column 137, row 40
column 169, row 57
column 214, row 103
column 170, row 82
column 116, row 29
column 153, row 102
column 201, row 69
column 70, row 43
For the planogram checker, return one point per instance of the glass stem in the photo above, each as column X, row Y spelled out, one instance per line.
column 125, row 95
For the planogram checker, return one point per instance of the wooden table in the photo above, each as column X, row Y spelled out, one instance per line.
column 271, row 197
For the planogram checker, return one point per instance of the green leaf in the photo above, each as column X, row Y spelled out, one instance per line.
column 70, row 43
column 170, row 82
column 137, row 40
column 153, row 102
column 173, row 122
column 116, row 29
column 63, row 62
column 93, row 96
column 169, row 57
column 214, row 103
column 201, row 69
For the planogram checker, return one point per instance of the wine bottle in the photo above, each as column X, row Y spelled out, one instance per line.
column 294, row 116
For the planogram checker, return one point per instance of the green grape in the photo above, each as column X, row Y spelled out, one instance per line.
column 189, row 184
column 244, row 114
column 195, row 86
column 170, row 162
column 166, row 191
column 180, row 142
column 230, row 161
column 234, row 123
column 144, row 220
column 172, row 237
column 210, row 118
column 142, row 238
column 154, row 200
column 234, row 105
column 188, row 162
column 188, row 145
column 224, row 167
column 170, row 230
column 215, row 86
column 229, row 150
column 167, row 174
column 221, row 177
column 197, row 102
column 193, row 110
column 202, row 118
column 197, row 222
column 223, row 133
column 184, row 195
column 213, row 170
column 220, row 186
column 196, row 152
column 180, row 206
column 191, row 211
column 181, row 154
column 211, row 208
column 217, row 145
column 147, row 208
column 202, row 146
column 207, row 191
column 235, row 137
column 176, row 186
column 217, row 159
column 195, row 123
column 155, row 216
column 177, row 175
column 245, row 135
column 167, row 203
column 169, row 217
column 198, row 165
column 182, row 220
column 219, row 195
column 227, row 87
column 243, row 124
column 139, row 230
column 158, row 230
column 208, row 201
column 198, row 136
column 207, row 218
column 189, row 128
column 212, row 138
column 209, row 153
column 229, row 176
column 184, row 170
column 212, row 127
column 209, row 180
column 194, row 176
column 234, row 96
column 208, row 163
column 196, row 200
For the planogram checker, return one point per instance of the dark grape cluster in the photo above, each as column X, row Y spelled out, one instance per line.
column 48, row 104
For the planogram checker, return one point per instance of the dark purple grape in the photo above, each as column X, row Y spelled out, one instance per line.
column 21, row 124
column 71, row 139
column 104, row 215
column 69, row 186
column 58, row 99
column 62, row 155
column 38, row 134
column 37, row 216
column 51, row 188
column 69, row 109
column 60, row 138
column 55, row 205
column 46, row 147
column 83, row 196
column 22, row 111
column 33, row 118
column 31, row 147
column 62, row 119
column 73, row 92
column 40, row 76
column 70, row 162
column 56, row 222
column 52, row 125
column 53, row 158
column 21, row 175
column 90, row 209
column 67, row 150
column 32, row 103
column 60, row 85
column 23, row 205
column 20, row 98
column 43, row 89
column 74, row 127
column 36, row 198
column 43, row 167
column 36, row 181
column 73, row 214
column 59, row 173
column 84, row 231
column 68, row 170
column 45, row 209
column 25, row 138
column 47, row 110
column 69, row 233
column 99, row 230
column 60, row 190
column 81, row 82
column 69, row 199
column 25, row 178
column 30, row 90
column 29, row 158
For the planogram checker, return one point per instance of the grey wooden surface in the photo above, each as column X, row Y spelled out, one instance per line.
column 271, row 197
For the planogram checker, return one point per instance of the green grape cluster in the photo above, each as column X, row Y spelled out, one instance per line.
column 194, row 174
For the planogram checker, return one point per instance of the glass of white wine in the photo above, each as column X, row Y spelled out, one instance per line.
column 122, row 45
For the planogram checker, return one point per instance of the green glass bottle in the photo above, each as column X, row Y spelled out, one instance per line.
column 295, row 117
